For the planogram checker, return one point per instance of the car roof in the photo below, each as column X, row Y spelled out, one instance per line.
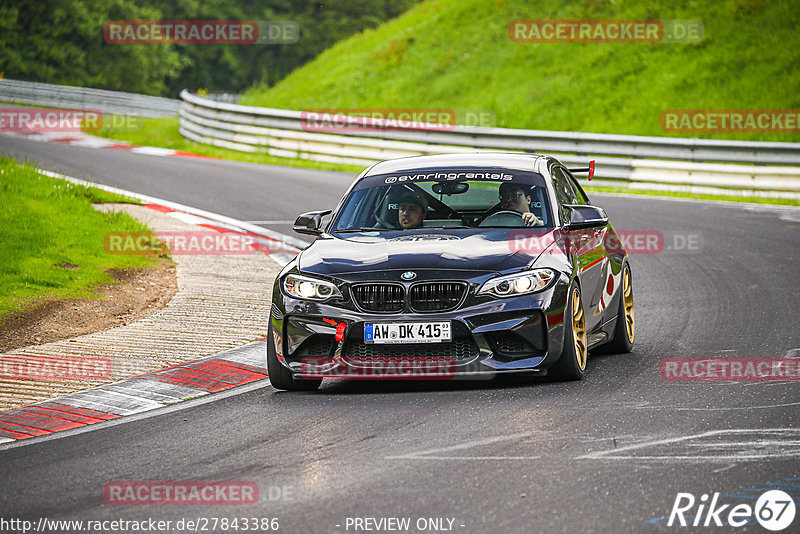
column 506, row 160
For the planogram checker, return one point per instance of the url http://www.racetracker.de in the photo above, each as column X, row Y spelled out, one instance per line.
column 149, row 525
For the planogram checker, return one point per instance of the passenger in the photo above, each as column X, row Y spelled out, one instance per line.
column 517, row 197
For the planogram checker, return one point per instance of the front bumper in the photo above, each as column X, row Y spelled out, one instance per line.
column 495, row 336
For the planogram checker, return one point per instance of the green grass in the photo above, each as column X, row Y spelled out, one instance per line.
column 696, row 196
column 457, row 54
column 52, row 238
column 163, row 133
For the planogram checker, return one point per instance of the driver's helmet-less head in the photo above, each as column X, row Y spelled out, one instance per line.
column 508, row 188
column 515, row 197
column 412, row 197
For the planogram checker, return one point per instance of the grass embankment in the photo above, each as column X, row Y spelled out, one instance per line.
column 457, row 54
column 52, row 238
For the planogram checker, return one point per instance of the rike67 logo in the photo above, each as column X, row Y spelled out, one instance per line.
column 774, row 510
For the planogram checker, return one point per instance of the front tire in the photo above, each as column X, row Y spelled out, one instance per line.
column 572, row 363
column 279, row 376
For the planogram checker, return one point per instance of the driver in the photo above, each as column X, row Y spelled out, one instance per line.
column 412, row 209
column 517, row 197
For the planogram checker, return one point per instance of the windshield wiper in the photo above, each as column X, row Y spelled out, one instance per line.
column 365, row 229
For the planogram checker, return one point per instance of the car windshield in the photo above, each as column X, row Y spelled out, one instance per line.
column 446, row 198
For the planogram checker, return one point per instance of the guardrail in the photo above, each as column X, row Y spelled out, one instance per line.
column 725, row 164
column 65, row 96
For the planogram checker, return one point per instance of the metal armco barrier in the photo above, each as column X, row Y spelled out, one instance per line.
column 726, row 164
column 65, row 96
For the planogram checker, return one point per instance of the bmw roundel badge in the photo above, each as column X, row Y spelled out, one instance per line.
column 408, row 275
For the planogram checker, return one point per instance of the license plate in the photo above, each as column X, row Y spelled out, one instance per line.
column 434, row 332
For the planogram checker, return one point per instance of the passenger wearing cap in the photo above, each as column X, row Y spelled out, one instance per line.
column 517, row 197
column 411, row 210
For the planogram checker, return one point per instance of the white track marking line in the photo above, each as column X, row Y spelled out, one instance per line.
column 725, row 468
column 99, row 406
column 613, row 454
column 111, row 401
column 152, row 151
column 153, row 390
column 689, row 459
column 467, row 445
column 694, row 409
column 93, row 143
column 282, row 258
column 463, row 457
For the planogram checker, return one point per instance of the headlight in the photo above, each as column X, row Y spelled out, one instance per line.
column 518, row 284
column 303, row 287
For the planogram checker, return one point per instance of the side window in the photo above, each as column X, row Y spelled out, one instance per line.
column 565, row 193
column 579, row 192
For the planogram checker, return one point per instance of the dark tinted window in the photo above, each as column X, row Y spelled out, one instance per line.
column 565, row 193
column 453, row 197
column 579, row 193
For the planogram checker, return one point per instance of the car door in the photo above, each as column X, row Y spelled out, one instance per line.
column 587, row 245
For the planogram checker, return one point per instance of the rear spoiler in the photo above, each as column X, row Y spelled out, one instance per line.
column 589, row 169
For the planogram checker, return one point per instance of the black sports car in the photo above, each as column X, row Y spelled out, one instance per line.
column 464, row 265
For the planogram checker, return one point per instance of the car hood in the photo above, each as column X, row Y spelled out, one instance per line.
column 484, row 251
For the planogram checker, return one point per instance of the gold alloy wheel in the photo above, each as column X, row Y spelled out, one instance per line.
column 627, row 295
column 579, row 330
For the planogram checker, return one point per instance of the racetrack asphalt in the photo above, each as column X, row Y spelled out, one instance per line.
column 607, row 454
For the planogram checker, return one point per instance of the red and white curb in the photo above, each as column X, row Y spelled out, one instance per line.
column 276, row 249
column 150, row 391
column 90, row 141
column 279, row 247
column 165, row 387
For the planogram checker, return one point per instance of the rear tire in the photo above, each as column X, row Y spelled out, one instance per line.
column 572, row 363
column 282, row 378
column 622, row 342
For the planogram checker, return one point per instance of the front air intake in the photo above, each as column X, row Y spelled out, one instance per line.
column 379, row 298
column 436, row 296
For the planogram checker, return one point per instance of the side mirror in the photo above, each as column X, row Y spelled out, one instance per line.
column 310, row 223
column 586, row 217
